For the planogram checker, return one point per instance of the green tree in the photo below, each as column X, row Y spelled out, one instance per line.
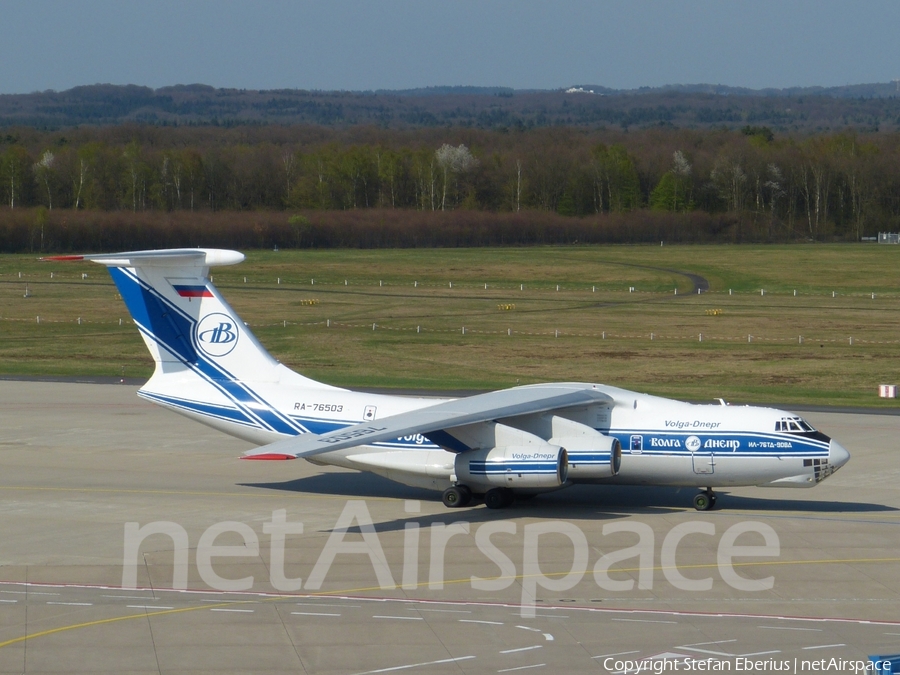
column 730, row 181
column 86, row 155
column 389, row 167
column 302, row 228
column 456, row 161
column 134, row 165
column 566, row 205
column 191, row 164
column 41, row 218
column 15, row 170
column 673, row 192
column 618, row 187
column 45, row 174
column 105, row 182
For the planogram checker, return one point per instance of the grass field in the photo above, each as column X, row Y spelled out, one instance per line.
column 518, row 327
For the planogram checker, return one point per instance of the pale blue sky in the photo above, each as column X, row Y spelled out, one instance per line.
column 395, row 44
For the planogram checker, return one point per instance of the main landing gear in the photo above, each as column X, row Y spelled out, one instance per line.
column 498, row 498
column 706, row 500
column 460, row 495
column 457, row 496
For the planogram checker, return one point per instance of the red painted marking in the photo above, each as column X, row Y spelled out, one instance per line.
column 269, row 455
column 62, row 258
column 195, row 294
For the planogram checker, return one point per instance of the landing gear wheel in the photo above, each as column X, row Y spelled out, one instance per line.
column 466, row 495
column 456, row 496
column 702, row 502
column 705, row 501
column 498, row 498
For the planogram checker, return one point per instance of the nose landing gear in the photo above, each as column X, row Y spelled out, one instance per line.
column 706, row 500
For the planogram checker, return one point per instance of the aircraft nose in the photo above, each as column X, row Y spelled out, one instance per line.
column 837, row 454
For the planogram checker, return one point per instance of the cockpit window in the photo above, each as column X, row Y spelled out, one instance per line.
column 794, row 424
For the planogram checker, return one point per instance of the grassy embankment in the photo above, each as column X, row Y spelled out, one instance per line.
column 400, row 290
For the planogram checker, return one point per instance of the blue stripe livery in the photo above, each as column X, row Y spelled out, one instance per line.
column 498, row 468
column 171, row 328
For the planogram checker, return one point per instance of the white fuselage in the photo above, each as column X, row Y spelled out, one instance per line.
column 664, row 442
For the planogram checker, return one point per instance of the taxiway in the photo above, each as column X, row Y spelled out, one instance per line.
column 78, row 462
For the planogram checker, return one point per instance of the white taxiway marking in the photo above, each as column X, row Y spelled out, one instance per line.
column 449, row 611
column 402, row 618
column 548, row 637
column 544, row 616
column 521, row 649
column 774, row 651
column 313, row 614
column 704, row 651
column 8, row 600
column 536, row 630
column 606, row 656
column 509, row 670
column 326, row 604
column 74, row 604
column 147, row 607
column 491, row 623
column 28, row 593
column 643, row 621
column 416, row 665
column 825, row 646
column 817, row 630
column 703, row 644
column 222, row 609
column 130, row 597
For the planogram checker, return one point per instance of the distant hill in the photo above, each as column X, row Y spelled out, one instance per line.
column 863, row 106
column 877, row 90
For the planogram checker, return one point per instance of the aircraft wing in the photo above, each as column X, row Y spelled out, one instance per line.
column 470, row 410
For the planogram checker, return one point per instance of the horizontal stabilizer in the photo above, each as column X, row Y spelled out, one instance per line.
column 487, row 407
column 168, row 257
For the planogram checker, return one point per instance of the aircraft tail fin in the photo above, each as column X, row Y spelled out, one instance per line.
column 198, row 342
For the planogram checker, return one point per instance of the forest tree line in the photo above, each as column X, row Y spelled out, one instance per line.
column 823, row 186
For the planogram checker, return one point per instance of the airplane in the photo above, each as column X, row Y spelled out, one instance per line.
column 496, row 446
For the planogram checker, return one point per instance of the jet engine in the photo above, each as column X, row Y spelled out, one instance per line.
column 600, row 459
column 544, row 466
column 591, row 454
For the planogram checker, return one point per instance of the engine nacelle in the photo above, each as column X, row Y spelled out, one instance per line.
column 597, row 457
column 545, row 466
column 592, row 455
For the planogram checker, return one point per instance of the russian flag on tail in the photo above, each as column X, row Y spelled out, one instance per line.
column 192, row 291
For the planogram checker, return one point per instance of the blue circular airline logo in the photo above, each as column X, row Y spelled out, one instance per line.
column 217, row 334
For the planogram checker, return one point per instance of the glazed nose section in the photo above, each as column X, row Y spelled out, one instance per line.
column 837, row 454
